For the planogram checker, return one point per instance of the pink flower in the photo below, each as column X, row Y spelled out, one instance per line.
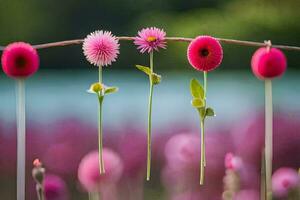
column 233, row 162
column 150, row 39
column 268, row 63
column 284, row 180
column 205, row 53
column 20, row 59
column 55, row 188
column 88, row 171
column 183, row 150
column 101, row 48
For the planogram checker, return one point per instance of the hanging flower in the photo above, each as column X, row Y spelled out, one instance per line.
column 20, row 60
column 268, row 63
column 150, row 39
column 88, row 171
column 205, row 53
column 101, row 48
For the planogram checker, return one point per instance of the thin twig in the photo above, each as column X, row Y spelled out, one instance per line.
column 175, row 39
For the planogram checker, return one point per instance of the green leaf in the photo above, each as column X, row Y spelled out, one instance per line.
column 110, row 90
column 155, row 78
column 209, row 112
column 144, row 69
column 96, row 88
column 197, row 103
column 196, row 88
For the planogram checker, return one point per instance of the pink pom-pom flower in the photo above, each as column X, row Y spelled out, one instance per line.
column 19, row 60
column 89, row 174
column 205, row 53
column 55, row 188
column 150, row 39
column 268, row 63
column 233, row 162
column 101, row 48
column 284, row 180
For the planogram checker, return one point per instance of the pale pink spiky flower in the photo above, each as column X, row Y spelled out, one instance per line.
column 101, row 48
column 150, row 39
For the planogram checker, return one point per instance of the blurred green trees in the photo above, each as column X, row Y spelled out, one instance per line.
column 38, row 21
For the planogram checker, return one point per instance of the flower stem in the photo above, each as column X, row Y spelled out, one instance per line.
column 149, row 121
column 202, row 118
column 21, row 142
column 205, row 89
column 40, row 192
column 268, row 136
column 100, row 134
column 202, row 153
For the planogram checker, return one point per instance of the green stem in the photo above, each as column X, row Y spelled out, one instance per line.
column 149, row 121
column 100, row 133
column 268, row 136
column 100, row 74
column 202, row 153
column 40, row 192
column 205, row 89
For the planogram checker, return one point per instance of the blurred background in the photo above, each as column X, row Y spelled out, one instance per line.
column 62, row 117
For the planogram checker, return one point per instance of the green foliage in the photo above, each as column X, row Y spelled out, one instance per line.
column 154, row 78
column 209, row 112
column 199, row 101
column 196, row 89
column 144, row 69
column 110, row 90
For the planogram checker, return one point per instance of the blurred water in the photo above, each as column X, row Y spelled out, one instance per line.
column 56, row 94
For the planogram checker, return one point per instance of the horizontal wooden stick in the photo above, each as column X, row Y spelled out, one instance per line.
column 171, row 39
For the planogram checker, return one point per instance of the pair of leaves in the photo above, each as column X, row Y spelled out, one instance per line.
column 101, row 89
column 198, row 100
column 154, row 78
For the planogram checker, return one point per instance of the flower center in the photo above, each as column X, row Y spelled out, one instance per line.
column 20, row 61
column 151, row 39
column 285, row 183
column 204, row 52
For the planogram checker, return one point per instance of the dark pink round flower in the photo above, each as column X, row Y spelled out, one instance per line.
column 88, row 171
column 268, row 63
column 55, row 188
column 205, row 53
column 101, row 48
column 284, row 180
column 233, row 162
column 150, row 39
column 19, row 60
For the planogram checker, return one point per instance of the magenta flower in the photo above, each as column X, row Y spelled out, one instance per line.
column 205, row 53
column 182, row 154
column 268, row 63
column 55, row 188
column 19, row 59
column 101, row 48
column 233, row 162
column 284, row 180
column 150, row 39
column 89, row 173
